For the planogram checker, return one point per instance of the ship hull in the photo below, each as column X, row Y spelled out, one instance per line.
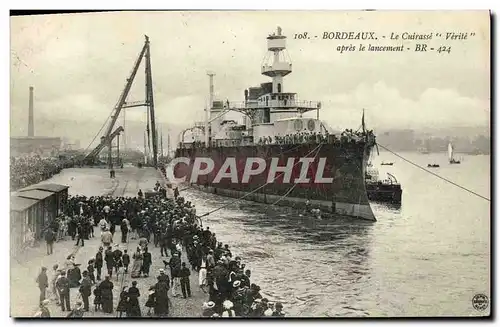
column 339, row 190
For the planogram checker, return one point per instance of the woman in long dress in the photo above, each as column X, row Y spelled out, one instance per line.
column 134, row 310
column 137, row 265
column 123, row 305
column 151, row 302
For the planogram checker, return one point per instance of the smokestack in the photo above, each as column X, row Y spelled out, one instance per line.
column 31, row 119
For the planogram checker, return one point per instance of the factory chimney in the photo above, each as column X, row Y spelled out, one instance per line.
column 31, row 119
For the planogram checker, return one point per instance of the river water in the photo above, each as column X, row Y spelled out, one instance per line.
column 428, row 258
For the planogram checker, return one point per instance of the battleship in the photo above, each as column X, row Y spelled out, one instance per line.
column 277, row 154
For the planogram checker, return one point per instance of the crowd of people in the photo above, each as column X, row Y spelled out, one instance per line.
column 28, row 170
column 147, row 222
column 312, row 137
column 308, row 137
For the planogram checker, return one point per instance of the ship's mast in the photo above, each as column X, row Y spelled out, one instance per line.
column 168, row 144
column 209, row 108
column 145, row 148
column 280, row 66
column 161, row 143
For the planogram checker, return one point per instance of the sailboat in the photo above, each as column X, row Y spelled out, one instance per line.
column 450, row 155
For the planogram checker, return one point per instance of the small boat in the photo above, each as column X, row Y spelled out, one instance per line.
column 450, row 155
column 387, row 163
column 433, row 166
column 386, row 191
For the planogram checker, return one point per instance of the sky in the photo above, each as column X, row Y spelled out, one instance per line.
column 78, row 64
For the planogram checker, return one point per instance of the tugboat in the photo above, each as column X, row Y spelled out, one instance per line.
column 387, row 191
column 450, row 155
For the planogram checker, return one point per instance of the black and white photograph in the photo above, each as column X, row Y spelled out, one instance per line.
column 258, row 164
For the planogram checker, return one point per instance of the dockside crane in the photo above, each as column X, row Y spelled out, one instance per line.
column 109, row 136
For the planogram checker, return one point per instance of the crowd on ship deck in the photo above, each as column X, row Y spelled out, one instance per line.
column 314, row 138
column 28, row 170
column 309, row 137
column 171, row 225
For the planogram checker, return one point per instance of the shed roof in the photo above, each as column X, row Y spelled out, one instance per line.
column 46, row 187
column 35, row 194
column 20, row 204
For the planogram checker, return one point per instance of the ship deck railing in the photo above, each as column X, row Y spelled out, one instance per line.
column 275, row 104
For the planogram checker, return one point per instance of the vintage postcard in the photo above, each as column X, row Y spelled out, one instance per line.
column 270, row 164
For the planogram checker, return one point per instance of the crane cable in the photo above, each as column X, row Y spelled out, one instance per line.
column 294, row 185
column 258, row 188
column 432, row 173
column 99, row 132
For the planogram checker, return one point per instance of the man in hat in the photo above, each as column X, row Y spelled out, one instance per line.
column 126, row 260
column 278, row 310
column 245, row 278
column 125, row 228
column 43, row 282
column 228, row 309
column 260, row 308
column 43, row 311
column 146, row 262
column 163, row 242
column 238, row 296
column 53, row 289
column 185, row 284
column 99, row 260
column 77, row 312
column 106, row 238
column 50, row 237
column 175, row 269
column 270, row 309
column 62, row 285
column 208, row 309
column 86, row 290
column 109, row 258
column 210, row 261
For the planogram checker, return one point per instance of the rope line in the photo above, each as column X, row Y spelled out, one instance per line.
column 294, row 185
column 285, row 195
column 99, row 132
column 242, row 169
column 260, row 187
column 433, row 173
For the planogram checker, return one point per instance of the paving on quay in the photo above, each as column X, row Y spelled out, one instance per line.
column 25, row 268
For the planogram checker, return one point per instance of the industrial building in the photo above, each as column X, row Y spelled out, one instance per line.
column 31, row 144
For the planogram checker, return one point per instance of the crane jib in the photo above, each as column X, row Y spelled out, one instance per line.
column 109, row 136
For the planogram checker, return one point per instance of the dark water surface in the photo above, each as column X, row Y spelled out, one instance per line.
column 427, row 259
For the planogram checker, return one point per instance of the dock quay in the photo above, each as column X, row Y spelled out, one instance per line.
column 91, row 182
